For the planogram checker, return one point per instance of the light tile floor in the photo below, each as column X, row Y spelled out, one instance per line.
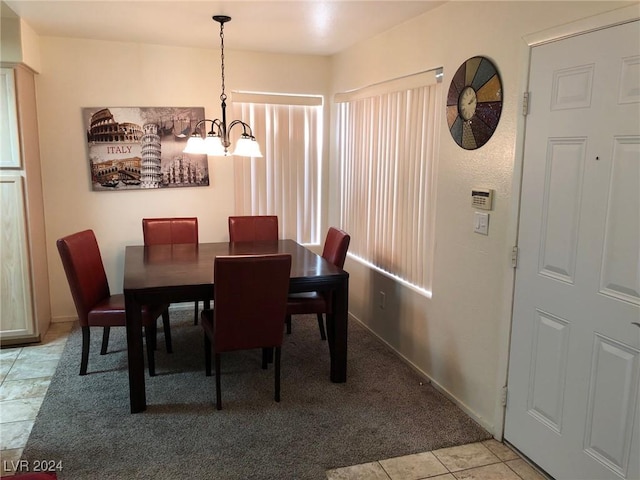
column 25, row 373
column 488, row 460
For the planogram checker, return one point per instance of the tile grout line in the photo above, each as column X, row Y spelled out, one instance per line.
column 516, row 473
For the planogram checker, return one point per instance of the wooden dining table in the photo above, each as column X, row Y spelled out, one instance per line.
column 164, row 274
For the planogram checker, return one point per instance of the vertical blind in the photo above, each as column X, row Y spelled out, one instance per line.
column 286, row 181
column 387, row 143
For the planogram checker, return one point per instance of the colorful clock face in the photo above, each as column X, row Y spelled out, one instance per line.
column 474, row 103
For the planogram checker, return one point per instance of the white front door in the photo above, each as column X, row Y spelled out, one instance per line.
column 574, row 365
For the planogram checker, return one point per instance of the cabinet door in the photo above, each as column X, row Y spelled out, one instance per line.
column 9, row 143
column 16, row 311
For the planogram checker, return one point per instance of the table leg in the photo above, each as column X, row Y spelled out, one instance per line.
column 135, row 355
column 337, row 327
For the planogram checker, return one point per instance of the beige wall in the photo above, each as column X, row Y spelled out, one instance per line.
column 85, row 73
column 459, row 337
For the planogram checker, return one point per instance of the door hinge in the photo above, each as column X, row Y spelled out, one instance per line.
column 514, row 257
column 525, row 104
column 503, row 396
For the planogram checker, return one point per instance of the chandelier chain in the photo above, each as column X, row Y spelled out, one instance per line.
column 223, row 96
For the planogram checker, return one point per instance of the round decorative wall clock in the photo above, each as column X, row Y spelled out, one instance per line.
column 474, row 103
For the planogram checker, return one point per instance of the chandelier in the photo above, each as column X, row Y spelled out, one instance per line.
column 216, row 141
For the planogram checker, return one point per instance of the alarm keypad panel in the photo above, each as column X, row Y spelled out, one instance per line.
column 482, row 198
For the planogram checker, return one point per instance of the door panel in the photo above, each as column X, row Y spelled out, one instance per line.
column 621, row 255
column 575, row 352
column 612, row 400
column 548, row 370
column 561, row 207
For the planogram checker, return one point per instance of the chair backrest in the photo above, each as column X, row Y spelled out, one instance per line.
column 253, row 228
column 157, row 231
column 250, row 301
column 335, row 246
column 83, row 265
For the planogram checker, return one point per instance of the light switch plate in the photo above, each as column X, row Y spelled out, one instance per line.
column 481, row 223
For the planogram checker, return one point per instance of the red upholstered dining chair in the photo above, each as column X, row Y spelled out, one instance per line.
column 335, row 251
column 95, row 305
column 250, row 302
column 163, row 231
column 253, row 228
column 170, row 230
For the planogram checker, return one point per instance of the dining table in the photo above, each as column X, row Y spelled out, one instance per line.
column 174, row 273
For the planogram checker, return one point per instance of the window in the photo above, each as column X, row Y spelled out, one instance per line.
column 387, row 142
column 287, row 181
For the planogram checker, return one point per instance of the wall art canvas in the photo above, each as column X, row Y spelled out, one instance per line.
column 141, row 148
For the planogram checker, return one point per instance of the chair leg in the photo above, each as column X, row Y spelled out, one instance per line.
column 207, row 355
column 167, row 330
column 277, row 365
column 287, row 321
column 195, row 314
column 265, row 358
column 154, row 344
column 85, row 350
column 323, row 335
column 268, row 354
column 218, row 393
column 150, row 334
column 105, row 340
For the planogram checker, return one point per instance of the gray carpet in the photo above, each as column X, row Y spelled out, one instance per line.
column 381, row 412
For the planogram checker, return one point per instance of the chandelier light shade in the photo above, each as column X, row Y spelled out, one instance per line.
column 216, row 141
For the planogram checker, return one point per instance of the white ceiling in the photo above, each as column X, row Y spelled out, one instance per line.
column 298, row 26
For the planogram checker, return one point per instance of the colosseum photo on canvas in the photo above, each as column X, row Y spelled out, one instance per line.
column 141, row 147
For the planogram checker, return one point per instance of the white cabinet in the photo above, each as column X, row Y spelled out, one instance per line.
column 25, row 311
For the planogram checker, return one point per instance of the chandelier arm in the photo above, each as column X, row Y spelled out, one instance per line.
column 214, row 123
column 245, row 126
column 197, row 132
column 220, row 127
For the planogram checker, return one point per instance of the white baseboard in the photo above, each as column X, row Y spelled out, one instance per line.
column 64, row 319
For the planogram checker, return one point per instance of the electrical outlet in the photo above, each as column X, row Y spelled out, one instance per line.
column 383, row 300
